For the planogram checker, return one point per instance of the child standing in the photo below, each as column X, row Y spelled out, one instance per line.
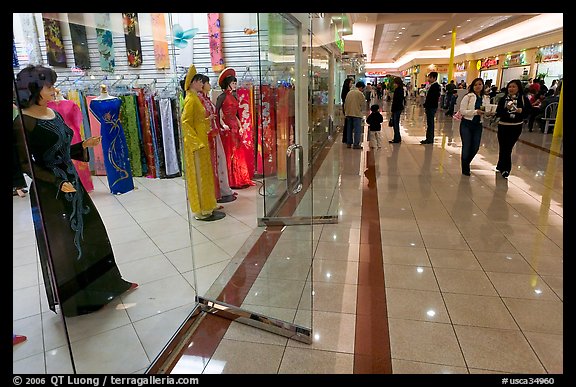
column 374, row 120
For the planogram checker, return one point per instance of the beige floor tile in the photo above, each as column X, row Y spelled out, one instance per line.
column 340, row 234
column 481, row 311
column 416, row 305
column 503, row 262
column 536, row 315
column 275, row 292
column 497, row 350
column 393, row 224
column 453, row 259
column 425, row 342
column 545, row 265
column 331, row 332
column 243, row 332
column 416, row 367
column 30, row 365
column 451, row 241
column 550, row 350
column 556, row 283
column 334, row 297
column 334, row 271
column 58, row 361
column 521, row 286
column 401, row 255
column 401, row 238
column 311, row 361
column 231, row 358
column 464, row 282
column 499, row 243
column 337, row 251
column 119, row 351
column 410, row 277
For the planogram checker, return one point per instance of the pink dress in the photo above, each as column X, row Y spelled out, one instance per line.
column 72, row 116
column 238, row 173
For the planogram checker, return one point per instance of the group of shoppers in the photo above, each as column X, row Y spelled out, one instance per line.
column 512, row 109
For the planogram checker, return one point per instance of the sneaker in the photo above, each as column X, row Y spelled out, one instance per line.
column 426, row 142
column 505, row 174
column 466, row 173
column 348, row 146
column 394, row 142
column 17, row 339
column 357, row 147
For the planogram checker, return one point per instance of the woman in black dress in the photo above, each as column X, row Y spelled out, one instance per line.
column 75, row 252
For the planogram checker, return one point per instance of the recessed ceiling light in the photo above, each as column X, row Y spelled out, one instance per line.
column 403, row 28
column 458, row 26
column 438, row 39
column 468, row 20
column 481, row 26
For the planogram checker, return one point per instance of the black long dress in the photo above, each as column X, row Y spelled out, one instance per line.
column 75, row 252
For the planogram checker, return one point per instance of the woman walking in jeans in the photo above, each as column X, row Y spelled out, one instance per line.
column 471, row 123
column 512, row 109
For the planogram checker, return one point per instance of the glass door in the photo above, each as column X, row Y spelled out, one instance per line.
column 270, row 285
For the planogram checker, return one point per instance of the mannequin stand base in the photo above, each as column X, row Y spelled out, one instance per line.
column 226, row 199
column 216, row 215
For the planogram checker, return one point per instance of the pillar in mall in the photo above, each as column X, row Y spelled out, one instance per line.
column 451, row 63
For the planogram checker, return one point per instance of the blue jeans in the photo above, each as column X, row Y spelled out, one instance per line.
column 354, row 131
column 471, row 134
column 396, row 125
column 430, row 113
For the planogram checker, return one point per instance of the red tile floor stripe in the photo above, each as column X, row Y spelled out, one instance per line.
column 372, row 338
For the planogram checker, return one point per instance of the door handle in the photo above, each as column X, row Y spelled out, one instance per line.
column 294, row 184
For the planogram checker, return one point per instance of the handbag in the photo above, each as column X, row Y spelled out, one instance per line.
column 457, row 116
column 390, row 122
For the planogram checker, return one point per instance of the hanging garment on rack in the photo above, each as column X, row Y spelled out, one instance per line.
column 31, row 38
column 54, row 43
column 215, row 38
column 15, row 63
column 245, row 110
column 128, row 119
column 157, row 136
column 105, row 42
column 79, row 40
column 132, row 38
column 266, row 162
column 78, row 97
column 72, row 116
column 175, row 107
column 114, row 146
column 161, row 56
column 147, row 141
column 99, row 167
column 142, row 158
column 238, row 175
column 170, row 156
column 284, row 126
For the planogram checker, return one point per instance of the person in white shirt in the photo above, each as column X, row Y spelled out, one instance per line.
column 472, row 109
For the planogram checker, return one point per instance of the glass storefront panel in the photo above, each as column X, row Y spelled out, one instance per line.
column 107, row 198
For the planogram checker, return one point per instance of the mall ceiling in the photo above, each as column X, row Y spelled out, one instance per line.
column 386, row 37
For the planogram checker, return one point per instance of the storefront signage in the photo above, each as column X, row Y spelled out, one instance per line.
column 460, row 66
column 404, row 73
column 486, row 63
column 518, row 59
column 549, row 53
column 416, row 69
column 338, row 40
column 375, row 73
column 443, row 68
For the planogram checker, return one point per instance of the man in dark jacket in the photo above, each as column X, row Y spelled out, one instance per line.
column 430, row 106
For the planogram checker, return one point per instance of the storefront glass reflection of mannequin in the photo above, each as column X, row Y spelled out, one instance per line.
column 78, row 265
column 227, row 110
column 106, row 109
column 199, row 172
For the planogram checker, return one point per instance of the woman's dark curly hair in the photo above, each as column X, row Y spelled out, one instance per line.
column 30, row 81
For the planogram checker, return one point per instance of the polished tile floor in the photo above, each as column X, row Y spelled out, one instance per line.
column 472, row 268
